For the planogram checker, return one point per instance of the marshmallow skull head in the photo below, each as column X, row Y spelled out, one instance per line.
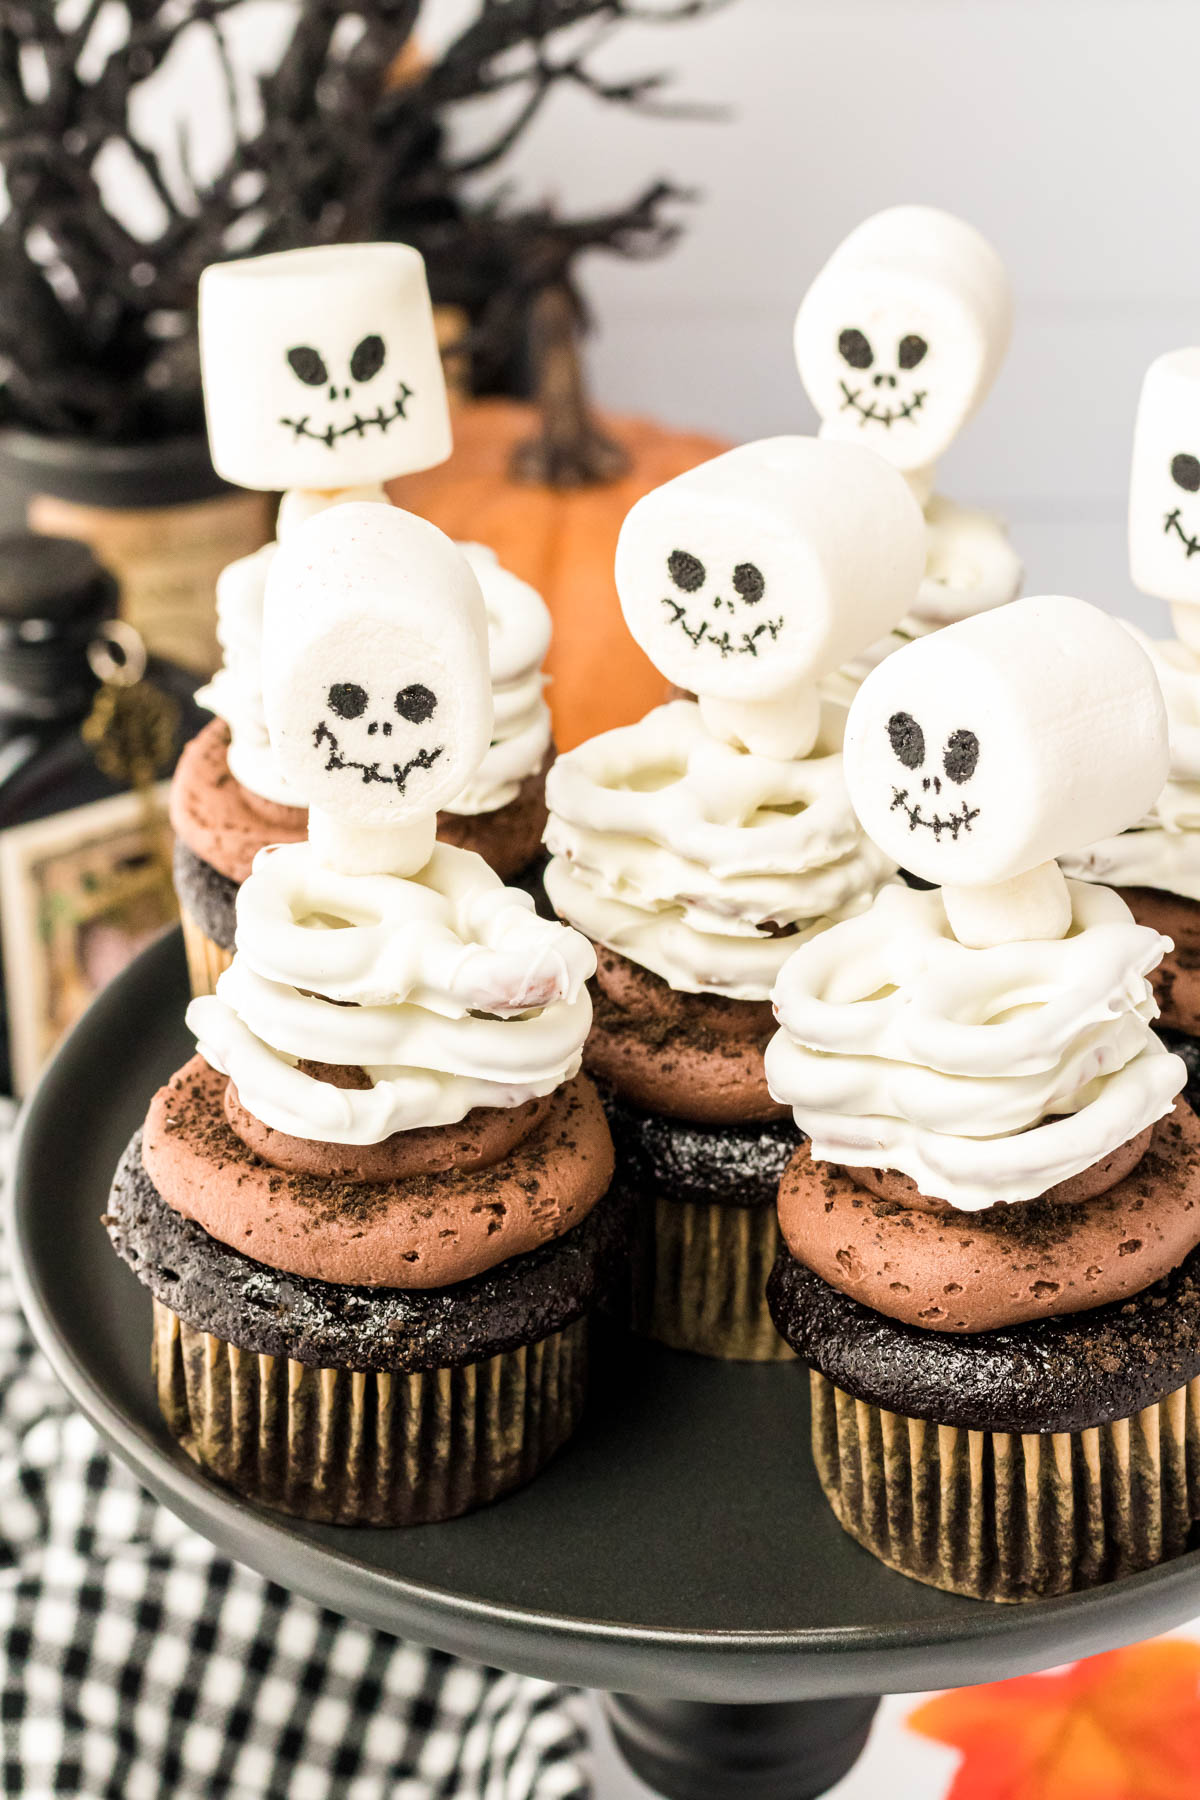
column 1164, row 486
column 375, row 665
column 997, row 744
column 900, row 335
column 321, row 367
column 759, row 571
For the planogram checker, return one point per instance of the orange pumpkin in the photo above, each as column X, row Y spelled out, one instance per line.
column 559, row 532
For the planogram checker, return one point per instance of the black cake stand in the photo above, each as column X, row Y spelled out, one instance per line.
column 678, row 1553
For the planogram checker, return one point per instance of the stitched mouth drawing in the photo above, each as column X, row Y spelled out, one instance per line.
column 1171, row 523
column 728, row 643
column 960, row 820
column 872, row 413
column 361, row 423
column 370, row 772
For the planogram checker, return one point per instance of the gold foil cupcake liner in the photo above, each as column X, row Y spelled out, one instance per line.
column 700, row 1279
column 205, row 959
column 349, row 1448
column 1004, row 1515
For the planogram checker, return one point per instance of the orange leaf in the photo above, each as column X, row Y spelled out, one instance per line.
column 1123, row 1726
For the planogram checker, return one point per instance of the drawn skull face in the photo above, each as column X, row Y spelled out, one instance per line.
column 321, row 367
column 379, row 735
column 881, row 389
column 724, row 611
column 998, row 743
column 749, row 574
column 376, row 685
column 1164, row 488
column 930, row 788
column 376, row 394
column 899, row 336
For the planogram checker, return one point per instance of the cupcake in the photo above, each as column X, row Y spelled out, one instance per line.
column 990, row 1259
column 329, row 422
column 699, row 846
column 1155, row 865
column 898, row 341
column 373, row 1249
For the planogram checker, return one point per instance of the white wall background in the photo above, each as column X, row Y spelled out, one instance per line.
column 1064, row 129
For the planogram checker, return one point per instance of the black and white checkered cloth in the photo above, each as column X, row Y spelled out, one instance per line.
column 138, row 1664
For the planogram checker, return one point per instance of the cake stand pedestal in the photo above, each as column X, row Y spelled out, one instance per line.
column 678, row 1553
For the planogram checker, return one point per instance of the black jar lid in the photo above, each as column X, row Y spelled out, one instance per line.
column 51, row 587
column 54, row 596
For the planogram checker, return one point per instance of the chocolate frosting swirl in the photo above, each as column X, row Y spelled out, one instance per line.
column 415, row 1230
column 1009, row 1263
column 1176, row 981
column 689, row 1056
column 216, row 817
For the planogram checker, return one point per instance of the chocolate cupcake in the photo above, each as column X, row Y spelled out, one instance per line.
column 372, row 1210
column 701, row 1146
column 990, row 1259
column 1155, row 864
column 382, row 1351
column 330, row 423
column 699, row 846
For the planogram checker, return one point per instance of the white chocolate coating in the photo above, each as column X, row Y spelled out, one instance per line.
column 391, row 975
column 682, row 853
column 235, row 692
column 761, row 570
column 1163, row 849
column 518, row 626
column 970, row 564
column 375, row 675
column 1004, row 741
column 984, row 1075
column 321, row 367
column 900, row 336
column 1164, row 483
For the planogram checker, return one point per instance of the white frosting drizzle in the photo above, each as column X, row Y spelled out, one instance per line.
column 446, row 988
column 970, row 567
column 1163, row 850
column 235, row 691
column 676, row 850
column 518, row 638
column 984, row 1075
column 970, row 564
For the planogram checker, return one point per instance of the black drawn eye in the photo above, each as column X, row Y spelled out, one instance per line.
column 749, row 582
column 686, row 570
column 416, row 703
column 347, row 700
column 306, row 363
column 368, row 358
column 907, row 739
column 1185, row 472
column 855, row 349
column 960, row 755
column 911, row 352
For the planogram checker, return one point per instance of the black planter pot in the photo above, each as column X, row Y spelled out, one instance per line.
column 168, row 472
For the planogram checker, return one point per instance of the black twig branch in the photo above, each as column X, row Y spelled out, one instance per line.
column 349, row 139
